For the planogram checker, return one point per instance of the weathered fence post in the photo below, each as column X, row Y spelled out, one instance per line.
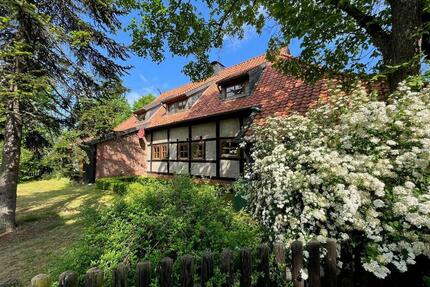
column 331, row 266
column 227, row 267
column 279, row 251
column 245, row 262
column 94, row 278
column 207, row 268
column 41, row 280
column 314, row 267
column 165, row 272
column 297, row 263
column 143, row 274
column 347, row 274
column 187, row 271
column 263, row 266
column 68, row 279
column 120, row 276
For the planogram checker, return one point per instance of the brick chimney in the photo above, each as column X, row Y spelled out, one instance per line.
column 217, row 66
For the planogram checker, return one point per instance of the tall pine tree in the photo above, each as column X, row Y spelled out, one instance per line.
column 53, row 55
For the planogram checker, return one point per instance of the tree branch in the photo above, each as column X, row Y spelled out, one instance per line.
column 379, row 36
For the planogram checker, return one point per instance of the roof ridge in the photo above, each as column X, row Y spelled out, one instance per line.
column 214, row 77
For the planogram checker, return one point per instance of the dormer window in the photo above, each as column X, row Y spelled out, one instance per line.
column 234, row 87
column 177, row 106
column 234, row 90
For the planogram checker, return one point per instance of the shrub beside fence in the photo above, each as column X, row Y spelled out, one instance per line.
column 242, row 272
column 317, row 272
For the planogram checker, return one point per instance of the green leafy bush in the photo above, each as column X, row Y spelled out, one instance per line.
column 121, row 184
column 159, row 218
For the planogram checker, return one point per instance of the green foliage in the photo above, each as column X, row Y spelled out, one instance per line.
column 30, row 166
column 66, row 156
column 99, row 117
column 347, row 36
column 143, row 101
column 158, row 218
column 119, row 185
column 56, row 56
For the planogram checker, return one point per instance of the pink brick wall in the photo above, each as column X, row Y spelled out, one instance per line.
column 121, row 156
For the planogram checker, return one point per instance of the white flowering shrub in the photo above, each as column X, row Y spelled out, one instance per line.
column 354, row 168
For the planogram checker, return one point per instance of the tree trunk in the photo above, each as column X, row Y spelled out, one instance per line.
column 10, row 165
column 405, row 42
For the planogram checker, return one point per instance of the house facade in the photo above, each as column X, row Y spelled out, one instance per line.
column 196, row 129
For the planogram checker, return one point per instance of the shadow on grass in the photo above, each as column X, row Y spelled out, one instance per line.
column 47, row 227
column 66, row 203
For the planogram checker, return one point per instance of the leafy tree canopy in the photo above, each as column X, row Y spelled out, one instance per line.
column 143, row 101
column 359, row 36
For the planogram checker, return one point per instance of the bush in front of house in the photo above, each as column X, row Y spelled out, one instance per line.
column 122, row 184
column 158, row 218
column 355, row 169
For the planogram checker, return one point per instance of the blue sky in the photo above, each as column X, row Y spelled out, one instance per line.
column 149, row 77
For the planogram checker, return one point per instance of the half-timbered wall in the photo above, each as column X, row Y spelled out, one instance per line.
column 198, row 149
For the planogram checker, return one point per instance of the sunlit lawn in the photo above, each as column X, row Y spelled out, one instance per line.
column 46, row 213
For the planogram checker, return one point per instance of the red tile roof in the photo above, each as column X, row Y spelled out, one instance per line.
column 274, row 93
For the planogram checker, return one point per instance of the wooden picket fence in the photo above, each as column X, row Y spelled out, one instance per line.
column 242, row 272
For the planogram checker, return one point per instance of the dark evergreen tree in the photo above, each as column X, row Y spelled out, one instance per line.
column 54, row 54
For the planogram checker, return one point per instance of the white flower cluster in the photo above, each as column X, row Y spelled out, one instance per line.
column 354, row 168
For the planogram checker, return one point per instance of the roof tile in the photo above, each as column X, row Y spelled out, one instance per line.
column 274, row 93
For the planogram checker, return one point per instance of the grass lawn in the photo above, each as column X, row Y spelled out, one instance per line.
column 46, row 215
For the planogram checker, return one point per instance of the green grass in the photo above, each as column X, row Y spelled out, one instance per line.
column 46, row 214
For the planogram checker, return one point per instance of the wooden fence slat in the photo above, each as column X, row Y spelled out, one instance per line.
column 165, row 272
column 347, row 275
column 245, row 267
column 314, row 267
column 331, row 265
column 94, row 278
column 297, row 263
column 227, row 267
column 279, row 251
column 143, row 274
column 41, row 280
column 207, row 268
column 120, row 276
column 263, row 267
column 68, row 279
column 187, row 271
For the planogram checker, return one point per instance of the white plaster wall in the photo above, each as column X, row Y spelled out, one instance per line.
column 206, row 130
column 180, row 134
column 172, row 151
column 229, row 127
column 211, row 150
column 229, row 168
column 159, row 166
column 159, row 136
column 148, row 137
column 179, row 167
column 203, row 169
column 148, row 150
